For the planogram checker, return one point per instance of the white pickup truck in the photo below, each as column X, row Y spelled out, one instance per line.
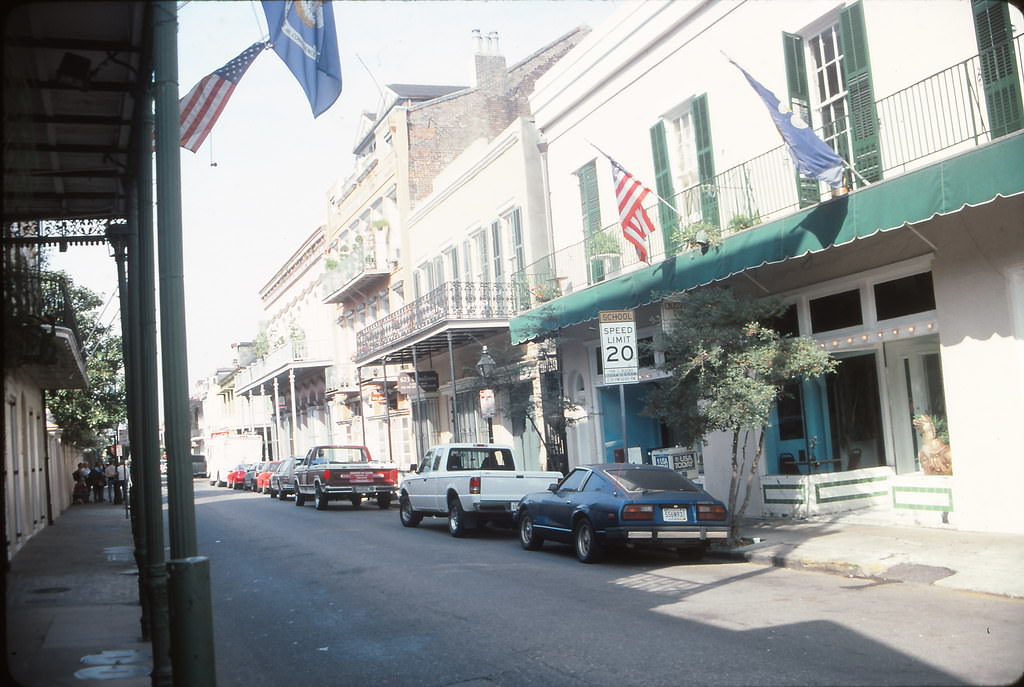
column 470, row 484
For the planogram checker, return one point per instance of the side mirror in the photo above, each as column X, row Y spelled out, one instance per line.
column 413, row 467
column 553, row 487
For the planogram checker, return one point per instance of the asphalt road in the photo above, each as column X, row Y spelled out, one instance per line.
column 350, row 597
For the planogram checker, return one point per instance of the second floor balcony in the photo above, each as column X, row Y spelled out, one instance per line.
column 292, row 355
column 937, row 118
column 41, row 329
column 358, row 271
column 453, row 305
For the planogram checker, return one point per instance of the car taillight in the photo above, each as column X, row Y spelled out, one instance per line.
column 474, row 485
column 391, row 476
column 635, row 511
column 710, row 511
column 327, row 475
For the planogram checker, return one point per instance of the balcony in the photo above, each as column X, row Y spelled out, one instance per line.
column 939, row 117
column 292, row 355
column 41, row 330
column 453, row 305
column 359, row 271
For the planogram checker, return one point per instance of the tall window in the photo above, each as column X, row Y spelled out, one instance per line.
column 684, row 167
column 590, row 203
column 483, row 274
column 826, row 73
column 514, row 221
column 831, row 68
column 497, row 268
column 451, row 258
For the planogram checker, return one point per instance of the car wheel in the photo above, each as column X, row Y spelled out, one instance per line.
column 300, row 498
column 457, row 520
column 320, row 499
column 408, row 516
column 272, row 492
column 528, row 537
column 383, row 501
column 691, row 554
column 588, row 550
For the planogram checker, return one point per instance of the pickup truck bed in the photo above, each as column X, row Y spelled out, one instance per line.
column 331, row 472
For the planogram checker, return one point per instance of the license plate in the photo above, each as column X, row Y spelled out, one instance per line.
column 674, row 514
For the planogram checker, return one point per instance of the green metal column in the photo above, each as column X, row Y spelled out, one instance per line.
column 191, row 613
column 146, row 459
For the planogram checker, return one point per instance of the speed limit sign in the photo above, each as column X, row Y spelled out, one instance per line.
column 618, row 346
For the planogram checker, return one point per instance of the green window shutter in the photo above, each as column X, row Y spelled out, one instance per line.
column 705, row 160
column 860, row 95
column 800, row 103
column 998, row 66
column 663, row 184
column 590, row 202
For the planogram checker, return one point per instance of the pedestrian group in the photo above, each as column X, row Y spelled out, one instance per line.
column 110, row 478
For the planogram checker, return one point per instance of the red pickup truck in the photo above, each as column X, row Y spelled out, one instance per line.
column 331, row 472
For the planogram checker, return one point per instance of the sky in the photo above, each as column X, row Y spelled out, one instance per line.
column 257, row 188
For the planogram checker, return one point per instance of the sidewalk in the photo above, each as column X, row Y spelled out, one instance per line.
column 852, row 545
column 72, row 604
column 72, row 591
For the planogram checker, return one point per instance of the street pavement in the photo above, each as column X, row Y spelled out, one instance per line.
column 72, row 611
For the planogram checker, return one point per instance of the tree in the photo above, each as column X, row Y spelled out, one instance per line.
column 727, row 369
column 87, row 415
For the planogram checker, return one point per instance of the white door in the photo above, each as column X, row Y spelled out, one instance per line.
column 915, row 388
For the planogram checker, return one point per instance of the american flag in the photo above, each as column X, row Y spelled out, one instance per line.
column 630, row 193
column 204, row 103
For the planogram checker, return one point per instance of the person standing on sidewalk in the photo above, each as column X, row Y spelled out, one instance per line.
column 81, row 474
column 110, row 474
column 97, row 481
column 121, row 483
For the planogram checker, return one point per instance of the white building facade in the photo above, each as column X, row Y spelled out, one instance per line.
column 912, row 278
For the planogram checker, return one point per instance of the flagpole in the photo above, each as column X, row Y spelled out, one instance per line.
column 652, row 191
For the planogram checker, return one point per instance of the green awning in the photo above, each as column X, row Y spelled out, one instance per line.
column 973, row 178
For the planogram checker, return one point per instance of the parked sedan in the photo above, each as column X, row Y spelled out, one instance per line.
column 623, row 504
column 252, row 472
column 263, row 478
column 236, row 477
column 281, row 483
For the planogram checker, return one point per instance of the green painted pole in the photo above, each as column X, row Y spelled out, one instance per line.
column 147, row 460
column 191, row 616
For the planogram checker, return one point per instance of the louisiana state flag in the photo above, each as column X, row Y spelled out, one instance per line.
column 811, row 155
column 303, row 34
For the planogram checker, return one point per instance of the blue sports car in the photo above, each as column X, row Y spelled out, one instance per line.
column 623, row 504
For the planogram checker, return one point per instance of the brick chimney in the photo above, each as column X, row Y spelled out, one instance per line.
column 491, row 71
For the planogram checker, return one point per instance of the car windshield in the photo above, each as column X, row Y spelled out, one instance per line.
column 651, row 479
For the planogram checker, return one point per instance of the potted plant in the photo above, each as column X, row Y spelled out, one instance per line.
column 701, row 235
column 603, row 244
column 741, row 221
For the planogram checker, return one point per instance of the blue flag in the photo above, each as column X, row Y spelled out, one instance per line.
column 811, row 155
column 303, row 35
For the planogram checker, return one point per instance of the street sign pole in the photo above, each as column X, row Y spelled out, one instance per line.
column 619, row 358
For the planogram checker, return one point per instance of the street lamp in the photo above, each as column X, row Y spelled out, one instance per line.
column 485, row 366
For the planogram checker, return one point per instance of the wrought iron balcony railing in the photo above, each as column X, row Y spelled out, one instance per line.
column 346, row 273
column 935, row 118
column 451, row 301
column 34, row 303
column 292, row 354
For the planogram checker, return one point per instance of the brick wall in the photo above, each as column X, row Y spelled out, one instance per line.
column 442, row 129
